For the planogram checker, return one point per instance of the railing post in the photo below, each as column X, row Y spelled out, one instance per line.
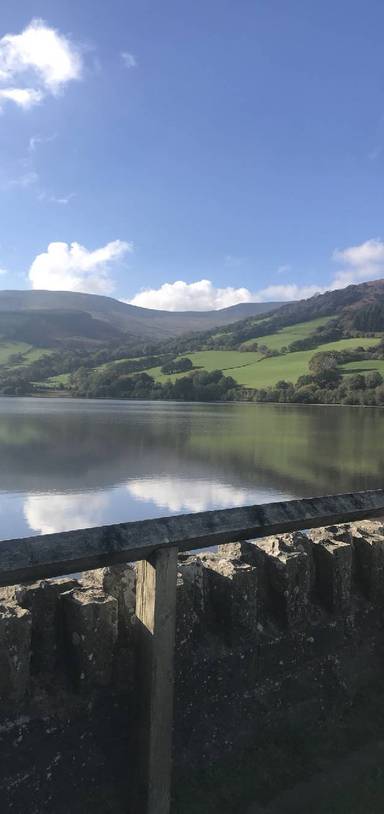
column 156, row 617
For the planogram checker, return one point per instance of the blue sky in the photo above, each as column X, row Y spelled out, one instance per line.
column 236, row 142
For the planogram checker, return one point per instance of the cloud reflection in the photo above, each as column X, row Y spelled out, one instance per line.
column 47, row 514
column 192, row 495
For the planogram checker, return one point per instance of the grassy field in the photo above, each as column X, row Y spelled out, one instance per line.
column 227, row 360
column 367, row 366
column 8, row 349
column 30, row 354
column 286, row 336
column 54, row 381
column 251, row 370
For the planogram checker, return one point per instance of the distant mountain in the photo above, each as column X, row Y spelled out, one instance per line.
column 52, row 317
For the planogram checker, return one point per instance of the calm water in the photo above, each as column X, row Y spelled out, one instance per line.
column 66, row 464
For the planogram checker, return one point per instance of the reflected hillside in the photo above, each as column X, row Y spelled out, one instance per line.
column 80, row 446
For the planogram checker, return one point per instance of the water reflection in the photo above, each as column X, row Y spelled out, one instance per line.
column 48, row 514
column 67, row 464
column 191, row 495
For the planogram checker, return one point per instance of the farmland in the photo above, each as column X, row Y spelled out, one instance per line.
column 292, row 333
column 250, row 369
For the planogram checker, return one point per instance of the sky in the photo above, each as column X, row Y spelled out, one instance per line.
column 191, row 155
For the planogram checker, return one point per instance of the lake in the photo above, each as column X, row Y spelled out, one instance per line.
column 68, row 464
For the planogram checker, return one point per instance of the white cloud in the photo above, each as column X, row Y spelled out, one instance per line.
column 38, row 61
column 362, row 262
column 204, row 296
column 24, row 97
column 71, row 267
column 129, row 60
column 182, row 296
column 359, row 263
column 3, row 271
column 55, row 513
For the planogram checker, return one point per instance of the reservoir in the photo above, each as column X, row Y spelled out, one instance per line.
column 67, row 464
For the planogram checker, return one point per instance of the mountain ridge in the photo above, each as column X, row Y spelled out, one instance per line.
column 27, row 307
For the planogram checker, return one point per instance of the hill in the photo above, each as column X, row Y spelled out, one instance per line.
column 49, row 318
column 327, row 349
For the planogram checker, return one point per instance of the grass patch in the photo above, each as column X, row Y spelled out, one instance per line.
column 364, row 367
column 54, row 381
column 292, row 333
column 28, row 352
column 268, row 372
column 252, row 370
column 226, row 360
column 9, row 349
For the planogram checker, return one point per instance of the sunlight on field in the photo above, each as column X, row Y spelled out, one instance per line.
column 286, row 336
column 251, row 370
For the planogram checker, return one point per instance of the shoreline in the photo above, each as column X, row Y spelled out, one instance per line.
column 57, row 396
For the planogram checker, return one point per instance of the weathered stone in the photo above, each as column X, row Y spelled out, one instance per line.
column 232, row 586
column 367, row 539
column 333, row 564
column 15, row 651
column 285, row 576
column 8, row 594
column 42, row 599
column 118, row 581
column 191, row 599
column 91, row 622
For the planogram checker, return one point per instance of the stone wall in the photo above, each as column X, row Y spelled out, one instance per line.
column 285, row 629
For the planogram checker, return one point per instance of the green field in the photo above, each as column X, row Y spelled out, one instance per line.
column 227, row 360
column 364, row 367
column 286, row 336
column 54, row 382
column 249, row 369
column 29, row 353
column 8, row 349
column 252, row 370
column 289, row 367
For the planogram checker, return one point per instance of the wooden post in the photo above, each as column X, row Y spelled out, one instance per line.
column 156, row 617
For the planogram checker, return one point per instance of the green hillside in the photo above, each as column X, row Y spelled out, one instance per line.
column 16, row 354
column 284, row 337
column 328, row 349
column 253, row 370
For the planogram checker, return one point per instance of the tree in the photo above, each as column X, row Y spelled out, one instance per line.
column 177, row 366
column 321, row 362
column 374, row 379
column 357, row 382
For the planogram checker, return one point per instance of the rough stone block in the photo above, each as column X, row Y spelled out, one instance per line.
column 191, row 599
column 286, row 573
column 42, row 600
column 333, row 564
column 118, row 581
column 91, row 622
column 238, row 551
column 367, row 539
column 232, row 587
column 15, row 651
